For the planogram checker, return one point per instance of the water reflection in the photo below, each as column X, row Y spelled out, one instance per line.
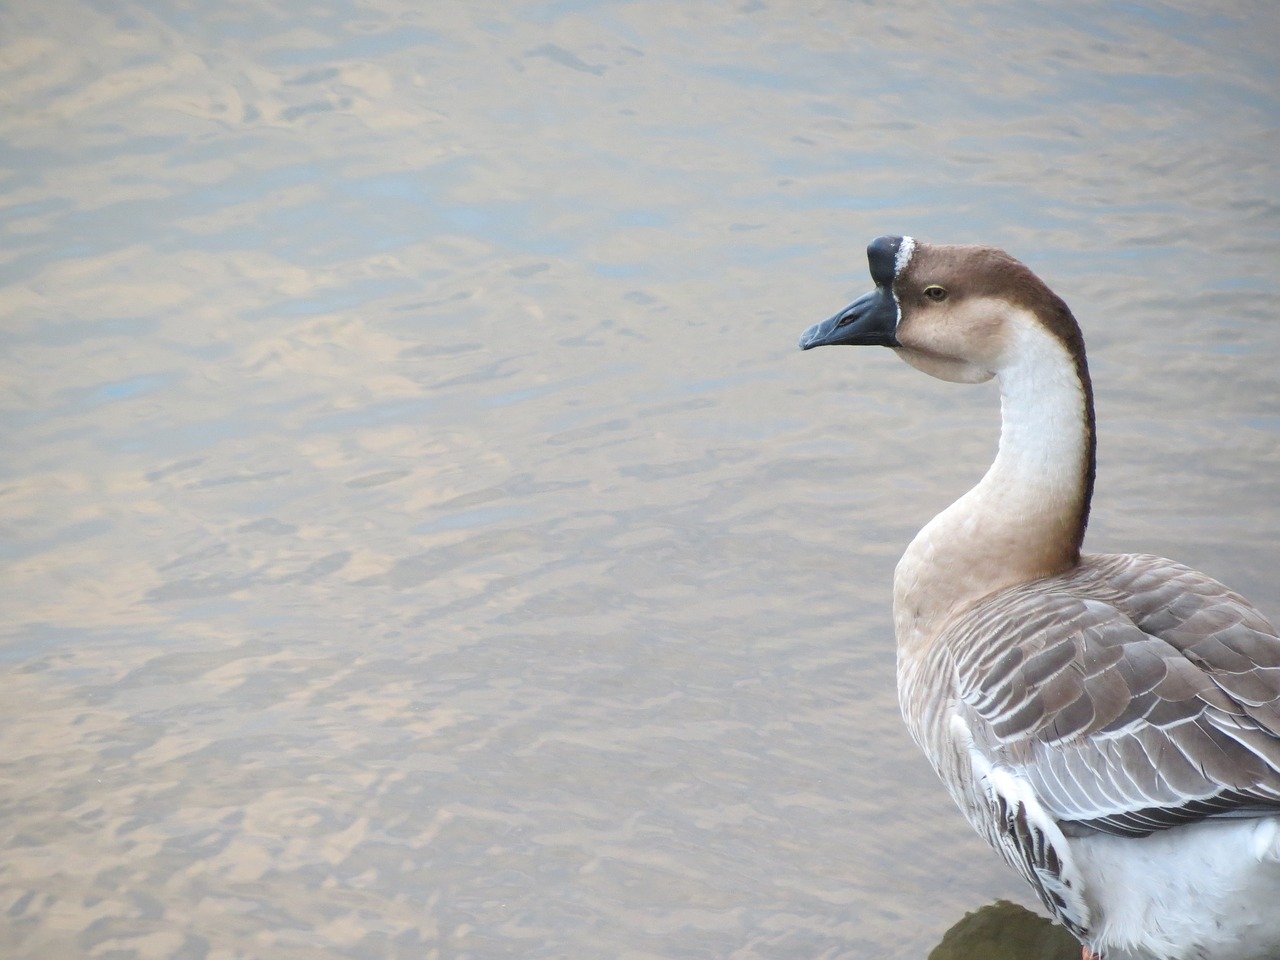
column 1006, row 931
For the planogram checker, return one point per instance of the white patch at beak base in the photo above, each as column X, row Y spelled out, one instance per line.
column 903, row 256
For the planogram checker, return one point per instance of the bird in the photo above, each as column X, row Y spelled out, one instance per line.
column 1108, row 723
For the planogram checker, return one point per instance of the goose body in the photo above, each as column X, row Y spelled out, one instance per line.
column 1110, row 724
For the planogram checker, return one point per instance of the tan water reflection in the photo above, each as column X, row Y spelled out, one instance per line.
column 421, row 537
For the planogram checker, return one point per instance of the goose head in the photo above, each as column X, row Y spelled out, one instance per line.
column 955, row 312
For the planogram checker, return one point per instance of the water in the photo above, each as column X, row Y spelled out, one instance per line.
column 421, row 536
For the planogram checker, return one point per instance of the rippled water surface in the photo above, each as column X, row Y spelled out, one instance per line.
column 421, row 536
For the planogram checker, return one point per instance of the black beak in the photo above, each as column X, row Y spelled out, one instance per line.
column 870, row 320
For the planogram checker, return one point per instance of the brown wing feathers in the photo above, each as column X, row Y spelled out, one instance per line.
column 1127, row 708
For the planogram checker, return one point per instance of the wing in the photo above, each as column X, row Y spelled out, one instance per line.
column 1131, row 695
column 1005, row 810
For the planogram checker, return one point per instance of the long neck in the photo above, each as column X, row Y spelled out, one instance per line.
column 1026, row 518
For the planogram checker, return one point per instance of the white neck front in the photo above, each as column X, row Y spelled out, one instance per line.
column 1023, row 520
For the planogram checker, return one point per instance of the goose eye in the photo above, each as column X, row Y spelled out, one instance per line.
column 935, row 292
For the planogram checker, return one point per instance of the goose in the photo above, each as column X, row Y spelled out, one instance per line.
column 1109, row 724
